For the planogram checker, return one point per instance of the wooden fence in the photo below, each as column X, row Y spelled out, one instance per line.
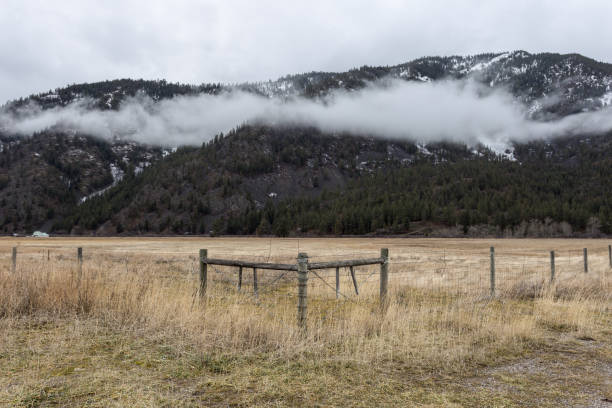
column 302, row 267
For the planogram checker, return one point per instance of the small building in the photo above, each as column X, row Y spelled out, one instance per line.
column 39, row 234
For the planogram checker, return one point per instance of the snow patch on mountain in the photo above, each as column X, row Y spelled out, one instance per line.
column 486, row 64
column 508, row 154
column 422, row 148
column 168, row 152
column 117, row 175
column 423, row 78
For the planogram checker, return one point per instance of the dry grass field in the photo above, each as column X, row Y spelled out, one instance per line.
column 131, row 329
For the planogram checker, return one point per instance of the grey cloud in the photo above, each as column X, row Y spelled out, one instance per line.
column 460, row 111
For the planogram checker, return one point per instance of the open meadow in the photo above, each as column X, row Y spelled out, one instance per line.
column 128, row 327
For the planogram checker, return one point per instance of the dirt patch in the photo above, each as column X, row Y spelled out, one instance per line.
column 576, row 373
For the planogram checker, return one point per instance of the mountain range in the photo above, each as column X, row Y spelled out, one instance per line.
column 286, row 179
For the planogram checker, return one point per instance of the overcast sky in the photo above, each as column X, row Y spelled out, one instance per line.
column 48, row 44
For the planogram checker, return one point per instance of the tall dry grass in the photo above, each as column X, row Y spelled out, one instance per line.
column 422, row 324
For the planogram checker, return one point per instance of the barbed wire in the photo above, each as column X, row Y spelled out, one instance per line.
column 419, row 265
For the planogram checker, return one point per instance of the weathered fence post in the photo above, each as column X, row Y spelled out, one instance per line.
column 302, row 270
column 586, row 260
column 610, row 254
column 552, row 266
column 80, row 261
column 239, row 278
column 492, row 271
column 203, row 271
column 14, row 264
column 384, row 275
column 337, row 282
column 354, row 280
column 255, row 288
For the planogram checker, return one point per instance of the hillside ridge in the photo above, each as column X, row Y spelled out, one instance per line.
column 71, row 182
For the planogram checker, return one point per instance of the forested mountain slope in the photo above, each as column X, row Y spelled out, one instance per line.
column 43, row 177
column 297, row 179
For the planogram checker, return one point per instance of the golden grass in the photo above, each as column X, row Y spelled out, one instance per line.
column 132, row 330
